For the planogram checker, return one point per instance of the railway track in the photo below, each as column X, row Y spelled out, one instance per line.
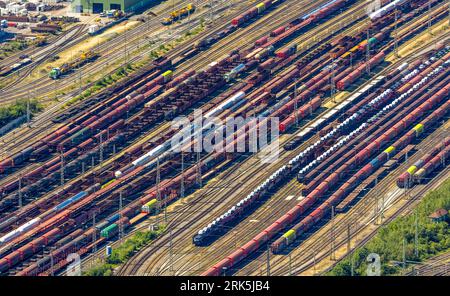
column 108, row 51
column 42, row 122
column 437, row 266
column 75, row 35
column 280, row 267
column 321, row 247
column 235, row 189
column 198, row 63
column 153, row 259
column 31, row 50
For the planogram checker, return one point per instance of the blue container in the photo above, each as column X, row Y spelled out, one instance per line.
column 62, row 205
column 78, row 196
column 239, row 68
column 238, row 105
column 113, row 218
column 73, row 199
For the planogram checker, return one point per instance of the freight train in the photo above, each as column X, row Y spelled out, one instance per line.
column 14, row 67
column 387, row 9
column 253, row 12
column 241, row 208
column 414, row 172
column 107, row 113
column 360, row 158
column 84, row 58
column 179, row 14
column 59, row 217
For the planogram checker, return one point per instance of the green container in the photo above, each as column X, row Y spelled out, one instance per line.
column 373, row 40
column 108, row 231
column 76, row 138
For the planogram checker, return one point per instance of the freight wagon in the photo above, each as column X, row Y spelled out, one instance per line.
column 387, row 9
column 27, row 250
column 371, row 147
column 62, row 215
column 149, row 207
column 43, row 30
column 57, row 72
column 297, row 140
column 358, row 72
column 179, row 14
column 253, row 12
column 287, row 52
column 15, row 160
column 16, row 66
column 234, row 72
column 113, row 229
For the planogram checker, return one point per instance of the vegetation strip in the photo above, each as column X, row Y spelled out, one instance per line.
column 433, row 239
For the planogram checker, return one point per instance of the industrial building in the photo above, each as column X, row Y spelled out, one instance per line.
column 98, row 6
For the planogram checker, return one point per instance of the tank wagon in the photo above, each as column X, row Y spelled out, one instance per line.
column 405, row 180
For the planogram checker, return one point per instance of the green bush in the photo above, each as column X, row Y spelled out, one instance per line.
column 124, row 252
column 19, row 108
column 433, row 238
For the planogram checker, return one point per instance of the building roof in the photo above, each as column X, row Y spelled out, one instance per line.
column 438, row 214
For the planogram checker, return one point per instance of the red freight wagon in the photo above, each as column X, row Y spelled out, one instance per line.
column 261, row 41
column 278, row 31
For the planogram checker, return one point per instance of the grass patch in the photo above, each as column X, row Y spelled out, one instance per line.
column 124, row 252
column 433, row 238
column 105, row 82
